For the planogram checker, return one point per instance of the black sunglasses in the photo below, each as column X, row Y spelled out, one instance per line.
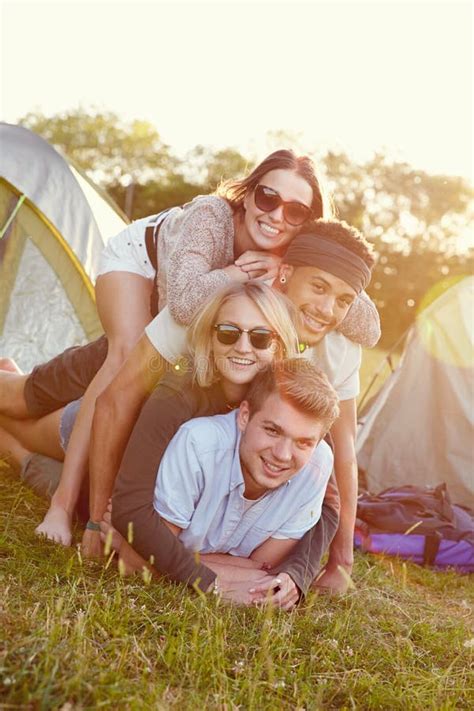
column 295, row 213
column 260, row 338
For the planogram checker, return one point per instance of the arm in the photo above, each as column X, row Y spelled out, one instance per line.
column 362, row 323
column 304, row 561
column 226, row 559
column 159, row 420
column 115, row 413
column 273, row 551
column 345, row 465
column 202, row 255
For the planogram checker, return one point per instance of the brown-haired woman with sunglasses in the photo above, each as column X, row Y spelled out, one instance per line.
column 235, row 235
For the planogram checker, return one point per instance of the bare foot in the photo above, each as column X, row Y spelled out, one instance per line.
column 10, row 365
column 56, row 526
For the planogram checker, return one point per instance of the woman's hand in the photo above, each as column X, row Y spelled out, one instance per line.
column 279, row 591
column 236, row 273
column 236, row 588
column 259, row 265
column 254, row 587
column 92, row 545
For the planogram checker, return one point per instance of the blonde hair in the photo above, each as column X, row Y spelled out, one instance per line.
column 275, row 307
column 299, row 382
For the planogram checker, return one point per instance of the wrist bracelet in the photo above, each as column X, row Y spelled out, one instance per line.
column 92, row 525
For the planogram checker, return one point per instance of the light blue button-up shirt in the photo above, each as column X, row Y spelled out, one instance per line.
column 200, row 488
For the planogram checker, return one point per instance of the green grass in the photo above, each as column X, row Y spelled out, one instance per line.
column 77, row 636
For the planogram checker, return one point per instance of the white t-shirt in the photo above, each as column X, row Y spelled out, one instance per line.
column 337, row 357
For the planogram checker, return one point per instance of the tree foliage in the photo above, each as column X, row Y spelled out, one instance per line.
column 111, row 150
column 419, row 223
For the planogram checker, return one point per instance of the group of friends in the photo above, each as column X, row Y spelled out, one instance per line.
column 217, row 415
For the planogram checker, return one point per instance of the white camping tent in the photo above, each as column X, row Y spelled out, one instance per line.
column 419, row 428
column 54, row 224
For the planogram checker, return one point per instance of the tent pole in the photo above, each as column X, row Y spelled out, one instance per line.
column 386, row 359
column 20, row 202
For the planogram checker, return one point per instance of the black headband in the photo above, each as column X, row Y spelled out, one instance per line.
column 311, row 250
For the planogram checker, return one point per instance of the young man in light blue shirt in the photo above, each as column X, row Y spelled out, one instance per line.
column 249, row 484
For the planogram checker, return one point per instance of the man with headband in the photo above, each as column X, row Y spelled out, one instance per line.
column 323, row 271
column 323, row 295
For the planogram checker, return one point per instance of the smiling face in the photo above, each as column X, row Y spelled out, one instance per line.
column 277, row 442
column 322, row 300
column 239, row 362
column 269, row 230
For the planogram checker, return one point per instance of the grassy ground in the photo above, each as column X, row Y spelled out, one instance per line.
column 77, row 636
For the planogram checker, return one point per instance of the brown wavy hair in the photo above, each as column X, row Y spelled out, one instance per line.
column 234, row 191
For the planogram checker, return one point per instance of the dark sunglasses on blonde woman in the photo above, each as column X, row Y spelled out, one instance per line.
column 267, row 199
column 260, row 338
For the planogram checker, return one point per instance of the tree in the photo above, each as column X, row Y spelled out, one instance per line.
column 419, row 224
column 207, row 167
column 110, row 150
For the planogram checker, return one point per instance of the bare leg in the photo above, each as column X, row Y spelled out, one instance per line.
column 123, row 304
column 10, row 365
column 40, row 435
column 11, row 450
column 12, row 382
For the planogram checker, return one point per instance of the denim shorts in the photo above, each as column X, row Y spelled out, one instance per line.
column 67, row 422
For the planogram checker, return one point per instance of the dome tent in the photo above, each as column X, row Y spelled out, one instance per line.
column 419, row 428
column 54, row 224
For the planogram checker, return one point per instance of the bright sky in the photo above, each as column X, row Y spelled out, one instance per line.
column 355, row 75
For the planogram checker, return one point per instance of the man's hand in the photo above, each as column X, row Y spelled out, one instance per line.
column 91, row 545
column 279, row 591
column 334, row 579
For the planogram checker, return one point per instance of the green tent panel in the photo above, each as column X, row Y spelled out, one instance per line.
column 53, row 224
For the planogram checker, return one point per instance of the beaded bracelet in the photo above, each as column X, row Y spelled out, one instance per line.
column 93, row 525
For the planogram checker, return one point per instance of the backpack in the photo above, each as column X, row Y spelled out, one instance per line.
column 420, row 524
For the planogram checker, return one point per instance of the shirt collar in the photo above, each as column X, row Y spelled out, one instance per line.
column 236, row 476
